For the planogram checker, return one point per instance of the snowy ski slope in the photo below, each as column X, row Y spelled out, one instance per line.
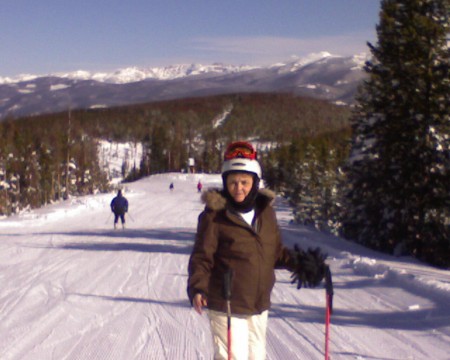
column 73, row 288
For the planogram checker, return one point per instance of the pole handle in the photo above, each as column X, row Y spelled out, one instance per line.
column 329, row 288
column 227, row 279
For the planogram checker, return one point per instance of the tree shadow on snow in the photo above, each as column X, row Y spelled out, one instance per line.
column 178, row 304
column 122, row 246
column 181, row 234
column 174, row 240
column 420, row 320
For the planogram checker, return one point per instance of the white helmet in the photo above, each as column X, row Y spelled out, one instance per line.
column 242, row 164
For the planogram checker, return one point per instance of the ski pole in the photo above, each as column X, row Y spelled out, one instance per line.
column 227, row 295
column 329, row 309
column 130, row 217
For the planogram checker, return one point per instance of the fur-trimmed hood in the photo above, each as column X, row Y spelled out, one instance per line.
column 216, row 201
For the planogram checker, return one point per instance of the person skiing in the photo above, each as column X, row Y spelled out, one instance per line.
column 119, row 206
column 199, row 186
column 238, row 232
column 171, row 186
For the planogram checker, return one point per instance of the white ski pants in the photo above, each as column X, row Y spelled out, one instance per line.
column 248, row 335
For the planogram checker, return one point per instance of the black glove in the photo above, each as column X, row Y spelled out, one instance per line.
column 309, row 268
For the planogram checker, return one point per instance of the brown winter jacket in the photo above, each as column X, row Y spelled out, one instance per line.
column 224, row 240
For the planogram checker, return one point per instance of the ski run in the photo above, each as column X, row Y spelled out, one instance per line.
column 74, row 288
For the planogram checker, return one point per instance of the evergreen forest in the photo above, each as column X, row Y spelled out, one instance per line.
column 52, row 157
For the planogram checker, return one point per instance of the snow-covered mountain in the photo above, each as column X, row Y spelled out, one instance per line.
column 319, row 75
column 134, row 74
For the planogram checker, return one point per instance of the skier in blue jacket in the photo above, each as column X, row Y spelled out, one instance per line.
column 119, row 206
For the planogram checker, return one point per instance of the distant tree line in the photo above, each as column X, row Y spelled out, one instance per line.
column 308, row 172
column 51, row 157
column 44, row 160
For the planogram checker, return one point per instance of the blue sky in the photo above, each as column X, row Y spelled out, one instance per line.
column 48, row 36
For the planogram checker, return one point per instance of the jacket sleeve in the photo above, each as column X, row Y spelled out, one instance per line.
column 285, row 259
column 201, row 260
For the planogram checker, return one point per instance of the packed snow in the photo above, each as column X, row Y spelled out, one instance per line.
column 74, row 288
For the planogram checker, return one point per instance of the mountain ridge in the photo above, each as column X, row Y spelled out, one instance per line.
column 320, row 75
column 170, row 72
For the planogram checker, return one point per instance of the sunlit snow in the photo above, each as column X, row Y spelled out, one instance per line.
column 74, row 288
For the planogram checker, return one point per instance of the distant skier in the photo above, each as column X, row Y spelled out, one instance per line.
column 119, row 206
column 171, row 187
column 199, row 186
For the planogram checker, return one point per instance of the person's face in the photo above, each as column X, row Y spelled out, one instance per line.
column 239, row 185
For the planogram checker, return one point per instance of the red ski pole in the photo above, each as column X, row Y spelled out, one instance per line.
column 227, row 295
column 329, row 309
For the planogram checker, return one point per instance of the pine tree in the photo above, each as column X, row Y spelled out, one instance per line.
column 399, row 167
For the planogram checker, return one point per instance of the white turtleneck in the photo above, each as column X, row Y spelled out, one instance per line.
column 248, row 216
